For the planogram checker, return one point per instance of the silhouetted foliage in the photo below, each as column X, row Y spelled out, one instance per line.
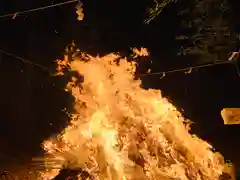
column 207, row 34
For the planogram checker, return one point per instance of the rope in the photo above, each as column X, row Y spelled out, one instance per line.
column 13, row 15
column 25, row 61
column 188, row 69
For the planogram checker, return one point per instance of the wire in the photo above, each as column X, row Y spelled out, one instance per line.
column 13, row 15
column 163, row 73
column 189, row 69
column 26, row 61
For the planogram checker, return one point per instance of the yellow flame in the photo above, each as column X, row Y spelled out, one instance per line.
column 124, row 132
column 141, row 52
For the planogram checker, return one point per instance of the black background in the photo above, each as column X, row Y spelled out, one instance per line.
column 31, row 101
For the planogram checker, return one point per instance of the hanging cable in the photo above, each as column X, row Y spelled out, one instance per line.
column 26, row 61
column 187, row 70
column 14, row 15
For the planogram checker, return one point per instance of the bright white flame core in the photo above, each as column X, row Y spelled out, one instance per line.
column 124, row 132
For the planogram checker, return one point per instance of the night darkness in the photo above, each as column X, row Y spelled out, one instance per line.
column 32, row 102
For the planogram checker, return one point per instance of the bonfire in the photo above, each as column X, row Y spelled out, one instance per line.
column 121, row 131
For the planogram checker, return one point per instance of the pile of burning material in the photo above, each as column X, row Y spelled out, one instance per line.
column 121, row 131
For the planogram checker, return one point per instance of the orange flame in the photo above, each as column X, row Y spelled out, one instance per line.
column 124, row 132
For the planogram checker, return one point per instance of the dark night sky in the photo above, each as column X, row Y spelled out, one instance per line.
column 30, row 98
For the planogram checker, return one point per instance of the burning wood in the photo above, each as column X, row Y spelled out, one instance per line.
column 121, row 131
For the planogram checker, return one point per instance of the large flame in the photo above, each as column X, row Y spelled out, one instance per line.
column 121, row 131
